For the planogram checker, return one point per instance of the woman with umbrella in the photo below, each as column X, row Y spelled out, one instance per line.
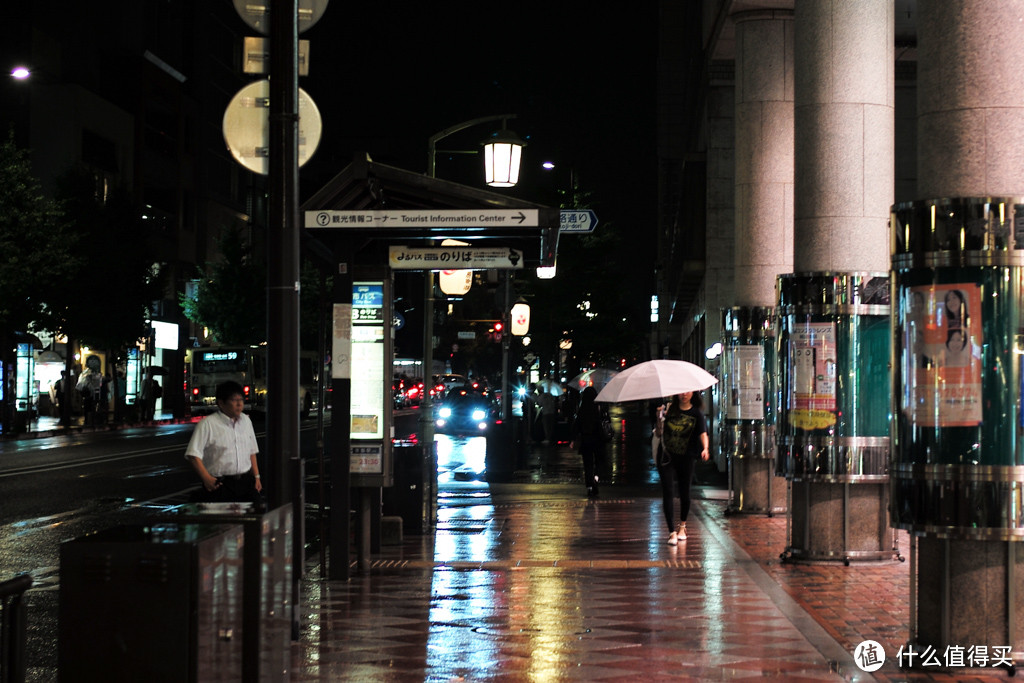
column 684, row 438
column 681, row 428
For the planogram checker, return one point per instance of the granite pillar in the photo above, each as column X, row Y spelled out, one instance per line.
column 764, row 153
column 764, row 248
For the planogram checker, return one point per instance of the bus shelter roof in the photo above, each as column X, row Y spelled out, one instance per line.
column 367, row 185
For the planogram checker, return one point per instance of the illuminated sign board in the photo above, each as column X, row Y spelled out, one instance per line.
column 367, row 403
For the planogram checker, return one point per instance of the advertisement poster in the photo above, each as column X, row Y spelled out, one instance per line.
column 746, row 383
column 812, row 376
column 942, row 355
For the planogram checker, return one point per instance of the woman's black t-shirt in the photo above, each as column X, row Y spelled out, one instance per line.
column 681, row 432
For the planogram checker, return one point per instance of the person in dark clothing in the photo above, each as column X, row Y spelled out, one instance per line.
column 587, row 434
column 59, row 389
column 684, row 438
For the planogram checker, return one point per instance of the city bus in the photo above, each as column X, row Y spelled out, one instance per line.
column 209, row 366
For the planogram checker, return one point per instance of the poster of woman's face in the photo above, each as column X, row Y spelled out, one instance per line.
column 942, row 354
column 955, row 309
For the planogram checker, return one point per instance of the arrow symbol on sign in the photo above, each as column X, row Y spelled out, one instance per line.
column 521, row 217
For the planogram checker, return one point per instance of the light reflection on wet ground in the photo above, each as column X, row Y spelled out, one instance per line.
column 526, row 579
column 529, row 580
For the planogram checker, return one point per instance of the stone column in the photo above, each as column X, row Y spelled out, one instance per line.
column 764, row 249
column 969, row 579
column 845, row 113
column 970, row 99
column 764, row 153
column 833, row 311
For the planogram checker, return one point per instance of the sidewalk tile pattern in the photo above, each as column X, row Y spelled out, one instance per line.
column 537, row 584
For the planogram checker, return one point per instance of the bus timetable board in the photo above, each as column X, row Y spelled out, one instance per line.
column 370, row 418
column 367, row 406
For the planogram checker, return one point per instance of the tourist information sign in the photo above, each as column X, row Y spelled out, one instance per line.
column 423, row 218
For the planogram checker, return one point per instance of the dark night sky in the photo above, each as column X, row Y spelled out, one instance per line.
column 581, row 79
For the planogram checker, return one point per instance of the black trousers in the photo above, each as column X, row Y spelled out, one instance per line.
column 592, row 451
column 234, row 488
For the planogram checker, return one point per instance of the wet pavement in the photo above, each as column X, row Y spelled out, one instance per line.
column 528, row 580
column 531, row 581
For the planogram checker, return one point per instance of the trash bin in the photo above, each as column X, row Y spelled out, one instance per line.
column 143, row 604
column 267, row 605
column 409, row 495
column 500, row 457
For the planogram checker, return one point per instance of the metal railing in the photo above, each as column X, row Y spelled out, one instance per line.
column 13, row 628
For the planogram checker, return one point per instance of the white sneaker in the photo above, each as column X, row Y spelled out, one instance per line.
column 672, row 539
column 680, row 533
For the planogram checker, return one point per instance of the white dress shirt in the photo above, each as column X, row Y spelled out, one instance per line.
column 224, row 445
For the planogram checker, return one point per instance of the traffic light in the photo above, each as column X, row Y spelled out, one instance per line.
column 497, row 330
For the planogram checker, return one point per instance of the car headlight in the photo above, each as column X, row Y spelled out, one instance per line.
column 479, row 415
column 445, row 412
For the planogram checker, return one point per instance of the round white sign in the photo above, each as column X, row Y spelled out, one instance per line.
column 256, row 13
column 247, row 126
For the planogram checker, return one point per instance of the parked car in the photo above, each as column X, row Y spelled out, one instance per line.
column 464, row 411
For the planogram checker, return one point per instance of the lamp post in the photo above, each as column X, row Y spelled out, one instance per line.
column 503, row 151
column 502, row 156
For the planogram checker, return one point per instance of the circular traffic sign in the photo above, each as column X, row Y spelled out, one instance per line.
column 247, row 126
column 256, row 13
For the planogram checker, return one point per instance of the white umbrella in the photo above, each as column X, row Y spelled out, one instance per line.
column 596, row 377
column 656, row 379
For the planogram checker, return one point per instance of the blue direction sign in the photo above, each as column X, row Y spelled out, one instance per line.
column 577, row 221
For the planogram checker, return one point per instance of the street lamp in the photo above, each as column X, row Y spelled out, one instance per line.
column 503, row 151
column 502, row 154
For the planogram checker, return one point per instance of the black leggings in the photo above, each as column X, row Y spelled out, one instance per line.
column 682, row 468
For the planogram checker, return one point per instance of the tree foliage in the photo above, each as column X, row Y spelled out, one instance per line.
column 230, row 299
column 37, row 249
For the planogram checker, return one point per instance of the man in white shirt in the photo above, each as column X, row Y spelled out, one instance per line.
column 223, row 451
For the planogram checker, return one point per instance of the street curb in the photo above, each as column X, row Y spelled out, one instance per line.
column 81, row 429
